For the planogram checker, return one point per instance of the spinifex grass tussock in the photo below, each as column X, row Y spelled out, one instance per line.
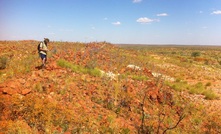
column 3, row 62
column 78, row 68
column 210, row 95
column 197, row 88
column 179, row 85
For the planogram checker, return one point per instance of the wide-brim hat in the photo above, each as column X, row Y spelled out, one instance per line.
column 46, row 39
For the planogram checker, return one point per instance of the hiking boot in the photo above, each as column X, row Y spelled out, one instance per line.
column 43, row 66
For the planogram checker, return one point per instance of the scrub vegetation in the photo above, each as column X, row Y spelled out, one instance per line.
column 89, row 88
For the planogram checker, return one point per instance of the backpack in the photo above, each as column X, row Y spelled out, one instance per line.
column 39, row 47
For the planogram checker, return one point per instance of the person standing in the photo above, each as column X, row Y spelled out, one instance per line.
column 43, row 49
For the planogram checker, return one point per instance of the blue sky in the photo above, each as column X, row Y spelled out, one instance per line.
column 190, row 22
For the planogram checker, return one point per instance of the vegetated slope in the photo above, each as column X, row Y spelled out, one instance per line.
column 88, row 88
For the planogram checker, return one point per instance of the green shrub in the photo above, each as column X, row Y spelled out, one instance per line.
column 178, row 85
column 94, row 72
column 209, row 95
column 125, row 131
column 3, row 62
column 173, row 52
column 64, row 63
column 78, row 69
column 197, row 88
column 208, row 84
column 195, row 54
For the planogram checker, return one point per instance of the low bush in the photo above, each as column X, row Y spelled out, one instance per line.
column 195, row 54
column 3, row 62
column 208, row 84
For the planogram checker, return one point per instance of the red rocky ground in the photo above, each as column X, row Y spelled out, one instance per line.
column 58, row 99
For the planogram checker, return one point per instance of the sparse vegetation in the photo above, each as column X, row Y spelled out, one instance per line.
column 71, row 96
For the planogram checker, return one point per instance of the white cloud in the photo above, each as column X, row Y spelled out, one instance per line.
column 216, row 12
column 137, row 1
column 146, row 20
column 162, row 14
column 116, row 23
